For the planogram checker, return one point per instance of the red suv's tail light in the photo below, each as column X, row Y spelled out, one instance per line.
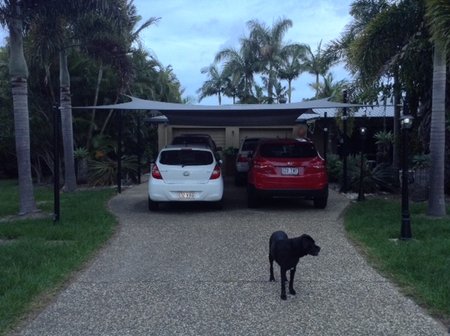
column 263, row 166
column 215, row 173
column 318, row 164
column 156, row 173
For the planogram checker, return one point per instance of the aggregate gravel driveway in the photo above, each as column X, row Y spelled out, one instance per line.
column 192, row 270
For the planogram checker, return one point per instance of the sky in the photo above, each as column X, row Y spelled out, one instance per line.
column 190, row 33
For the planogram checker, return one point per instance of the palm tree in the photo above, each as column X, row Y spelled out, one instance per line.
column 270, row 48
column 317, row 63
column 291, row 65
column 13, row 14
column 216, row 83
column 241, row 65
column 329, row 88
column 438, row 15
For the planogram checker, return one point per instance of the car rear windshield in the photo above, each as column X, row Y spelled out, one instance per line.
column 186, row 157
column 291, row 150
column 249, row 145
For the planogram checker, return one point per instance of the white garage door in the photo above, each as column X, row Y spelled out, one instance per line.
column 218, row 134
column 265, row 133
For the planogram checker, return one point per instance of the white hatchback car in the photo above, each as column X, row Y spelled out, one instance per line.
column 185, row 174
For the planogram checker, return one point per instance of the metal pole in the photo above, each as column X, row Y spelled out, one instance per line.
column 344, row 144
column 119, row 151
column 361, row 196
column 56, row 150
column 405, row 232
column 325, row 136
column 139, row 151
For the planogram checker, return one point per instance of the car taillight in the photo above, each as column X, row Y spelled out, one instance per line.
column 263, row 166
column 242, row 158
column 156, row 174
column 319, row 164
column 215, row 173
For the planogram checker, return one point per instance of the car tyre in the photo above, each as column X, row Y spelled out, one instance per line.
column 239, row 179
column 320, row 202
column 252, row 197
column 218, row 205
column 152, row 205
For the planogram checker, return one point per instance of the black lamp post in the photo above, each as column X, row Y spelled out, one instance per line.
column 325, row 136
column 406, row 123
column 344, row 143
column 362, row 133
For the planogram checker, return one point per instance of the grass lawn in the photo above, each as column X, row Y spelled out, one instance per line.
column 421, row 266
column 37, row 256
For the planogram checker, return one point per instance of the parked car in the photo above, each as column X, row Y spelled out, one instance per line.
column 246, row 148
column 185, row 174
column 287, row 168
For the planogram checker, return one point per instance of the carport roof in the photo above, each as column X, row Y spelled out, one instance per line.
column 225, row 115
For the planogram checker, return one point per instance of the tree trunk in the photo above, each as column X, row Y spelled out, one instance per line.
column 66, row 123
column 436, row 201
column 97, row 90
column 19, row 75
column 289, row 89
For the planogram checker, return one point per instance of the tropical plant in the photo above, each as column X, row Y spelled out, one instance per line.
column 270, row 48
column 317, row 63
column 438, row 15
column 241, row 65
column 216, row 83
column 291, row 65
column 13, row 14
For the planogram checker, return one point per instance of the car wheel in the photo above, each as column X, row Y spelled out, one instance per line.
column 239, row 179
column 252, row 197
column 152, row 205
column 320, row 202
column 218, row 205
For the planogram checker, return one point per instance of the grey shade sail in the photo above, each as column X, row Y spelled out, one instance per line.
column 225, row 115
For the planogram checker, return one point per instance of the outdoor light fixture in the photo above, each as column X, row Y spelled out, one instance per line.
column 362, row 133
column 406, row 123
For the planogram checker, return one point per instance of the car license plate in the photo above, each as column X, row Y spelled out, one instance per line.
column 289, row 171
column 185, row 195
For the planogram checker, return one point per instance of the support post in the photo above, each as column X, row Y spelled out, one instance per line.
column 56, row 151
column 119, row 151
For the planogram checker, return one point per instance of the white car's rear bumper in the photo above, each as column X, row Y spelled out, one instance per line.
column 159, row 191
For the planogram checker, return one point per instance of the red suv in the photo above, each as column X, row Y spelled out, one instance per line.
column 287, row 168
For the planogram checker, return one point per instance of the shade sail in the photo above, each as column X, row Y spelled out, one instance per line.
column 225, row 115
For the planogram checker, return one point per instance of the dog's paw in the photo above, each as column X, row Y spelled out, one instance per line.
column 292, row 292
column 283, row 297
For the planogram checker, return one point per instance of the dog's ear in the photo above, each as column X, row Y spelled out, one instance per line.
column 307, row 243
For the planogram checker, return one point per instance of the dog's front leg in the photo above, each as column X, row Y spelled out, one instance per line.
column 272, row 278
column 283, row 283
column 291, row 282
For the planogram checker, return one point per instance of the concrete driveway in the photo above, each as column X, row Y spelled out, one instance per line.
column 192, row 270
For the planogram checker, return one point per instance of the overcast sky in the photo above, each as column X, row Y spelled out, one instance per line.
column 190, row 33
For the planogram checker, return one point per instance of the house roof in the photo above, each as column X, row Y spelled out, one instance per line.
column 226, row 115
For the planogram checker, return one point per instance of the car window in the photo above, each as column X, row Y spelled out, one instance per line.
column 294, row 150
column 186, row 157
column 249, row 145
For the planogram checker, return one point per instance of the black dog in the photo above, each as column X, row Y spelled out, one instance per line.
column 287, row 252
